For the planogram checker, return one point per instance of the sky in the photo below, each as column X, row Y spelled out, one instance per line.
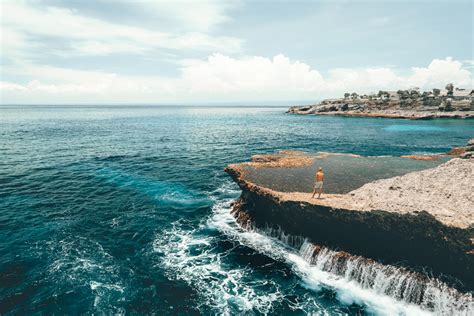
column 229, row 52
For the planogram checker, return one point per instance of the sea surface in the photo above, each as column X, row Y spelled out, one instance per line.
column 125, row 210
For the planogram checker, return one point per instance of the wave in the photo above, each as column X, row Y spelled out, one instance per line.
column 192, row 258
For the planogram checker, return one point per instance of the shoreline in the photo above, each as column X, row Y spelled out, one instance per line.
column 390, row 114
column 402, row 104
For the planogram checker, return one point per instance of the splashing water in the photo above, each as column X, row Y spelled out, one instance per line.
column 429, row 294
column 383, row 289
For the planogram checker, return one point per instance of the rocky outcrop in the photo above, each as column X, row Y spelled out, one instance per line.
column 422, row 220
column 465, row 152
column 415, row 108
column 469, row 149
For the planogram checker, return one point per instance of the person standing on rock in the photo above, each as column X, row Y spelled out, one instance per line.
column 318, row 186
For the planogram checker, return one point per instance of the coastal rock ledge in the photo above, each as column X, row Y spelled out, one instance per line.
column 421, row 220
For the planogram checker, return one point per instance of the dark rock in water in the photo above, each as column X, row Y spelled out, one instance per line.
column 467, row 154
column 470, row 145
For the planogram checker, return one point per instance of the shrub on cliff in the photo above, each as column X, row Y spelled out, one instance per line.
column 403, row 94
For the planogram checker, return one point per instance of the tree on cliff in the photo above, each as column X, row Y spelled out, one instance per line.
column 354, row 95
column 450, row 88
column 414, row 94
column 436, row 92
column 448, row 106
column 347, row 95
column 406, row 94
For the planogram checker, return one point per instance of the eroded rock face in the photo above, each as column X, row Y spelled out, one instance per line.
column 418, row 236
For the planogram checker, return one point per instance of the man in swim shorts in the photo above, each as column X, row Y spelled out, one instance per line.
column 318, row 186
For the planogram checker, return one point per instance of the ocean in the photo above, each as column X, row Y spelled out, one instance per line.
column 125, row 210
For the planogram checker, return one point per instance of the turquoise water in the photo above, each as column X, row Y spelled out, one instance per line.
column 407, row 128
column 125, row 210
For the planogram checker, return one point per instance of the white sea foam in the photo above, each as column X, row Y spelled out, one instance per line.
column 383, row 289
column 79, row 262
column 190, row 255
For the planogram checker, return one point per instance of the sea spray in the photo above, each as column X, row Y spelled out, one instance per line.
column 415, row 288
column 189, row 256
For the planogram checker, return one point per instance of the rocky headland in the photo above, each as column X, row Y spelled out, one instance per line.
column 412, row 213
column 402, row 104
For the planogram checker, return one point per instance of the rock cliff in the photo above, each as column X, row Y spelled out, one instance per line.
column 421, row 220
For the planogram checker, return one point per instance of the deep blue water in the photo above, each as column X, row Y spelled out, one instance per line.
column 125, row 210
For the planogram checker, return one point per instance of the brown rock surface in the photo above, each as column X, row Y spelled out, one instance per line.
column 422, row 157
column 284, row 159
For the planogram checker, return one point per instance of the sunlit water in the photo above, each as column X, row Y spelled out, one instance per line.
column 126, row 210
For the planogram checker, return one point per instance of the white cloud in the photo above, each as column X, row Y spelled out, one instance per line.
column 281, row 77
column 200, row 15
column 441, row 70
column 251, row 74
column 23, row 22
column 10, row 86
column 226, row 79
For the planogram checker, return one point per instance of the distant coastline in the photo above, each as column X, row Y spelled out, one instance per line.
column 403, row 104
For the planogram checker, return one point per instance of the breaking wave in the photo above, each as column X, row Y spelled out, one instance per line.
column 379, row 289
column 191, row 255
